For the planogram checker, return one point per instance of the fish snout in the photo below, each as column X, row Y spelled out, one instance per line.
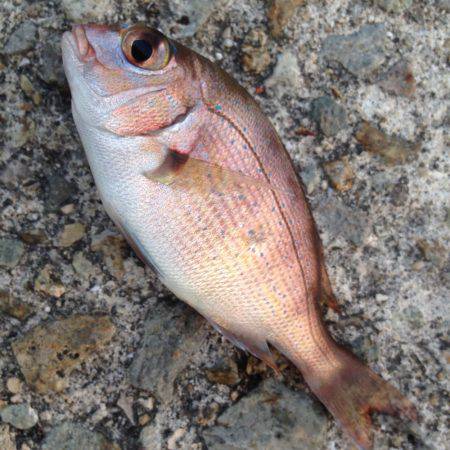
column 81, row 41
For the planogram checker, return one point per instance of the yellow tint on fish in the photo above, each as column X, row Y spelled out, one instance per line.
column 197, row 179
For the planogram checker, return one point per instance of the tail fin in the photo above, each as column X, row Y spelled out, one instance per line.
column 353, row 392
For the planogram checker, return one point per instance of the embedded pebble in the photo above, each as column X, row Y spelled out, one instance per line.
column 21, row 40
column 340, row 173
column 49, row 353
column 22, row 417
column 361, row 53
column 329, row 115
column 71, row 233
column 11, row 251
column 14, row 385
column 393, row 149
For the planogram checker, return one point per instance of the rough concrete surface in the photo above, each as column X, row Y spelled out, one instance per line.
column 359, row 94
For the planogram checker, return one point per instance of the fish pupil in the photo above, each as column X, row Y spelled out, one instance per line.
column 141, row 50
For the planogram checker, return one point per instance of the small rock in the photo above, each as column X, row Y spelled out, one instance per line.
column 279, row 13
column 83, row 266
column 68, row 209
column 71, row 233
column 113, row 247
column 82, row 10
column 270, row 417
column 50, row 69
column 340, row 173
column 22, row 417
column 256, row 57
column 47, row 283
column 394, row 6
column 7, row 441
column 361, row 53
column 73, row 436
column 14, row 385
column 11, row 250
column 336, row 220
column 392, row 149
column 58, row 192
column 49, row 353
column 329, row 115
column 14, row 307
column 34, row 236
column 21, row 40
column 172, row 336
column 225, row 371
column 286, row 73
column 399, row 79
column 29, row 90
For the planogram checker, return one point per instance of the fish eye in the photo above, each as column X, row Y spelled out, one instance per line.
column 141, row 50
column 146, row 48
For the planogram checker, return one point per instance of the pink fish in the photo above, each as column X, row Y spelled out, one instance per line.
column 197, row 179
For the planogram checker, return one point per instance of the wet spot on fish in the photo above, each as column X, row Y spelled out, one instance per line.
column 241, row 197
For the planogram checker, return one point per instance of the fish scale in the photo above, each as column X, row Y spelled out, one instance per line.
column 197, row 179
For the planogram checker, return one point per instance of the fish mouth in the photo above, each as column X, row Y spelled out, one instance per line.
column 79, row 43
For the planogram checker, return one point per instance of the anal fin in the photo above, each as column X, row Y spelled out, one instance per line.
column 257, row 347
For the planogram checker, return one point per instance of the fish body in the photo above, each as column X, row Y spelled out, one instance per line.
column 195, row 176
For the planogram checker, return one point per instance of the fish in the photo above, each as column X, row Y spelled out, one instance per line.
column 195, row 176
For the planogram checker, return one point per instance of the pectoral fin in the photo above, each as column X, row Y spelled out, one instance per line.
column 183, row 172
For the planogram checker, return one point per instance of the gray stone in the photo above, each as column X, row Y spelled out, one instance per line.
column 72, row 436
column 21, row 40
column 7, row 441
column 335, row 220
column 58, row 191
column 329, row 115
column 394, row 6
column 361, row 53
column 272, row 417
column 11, row 250
column 50, row 68
column 172, row 336
column 22, row 417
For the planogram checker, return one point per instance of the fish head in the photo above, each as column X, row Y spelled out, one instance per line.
column 130, row 81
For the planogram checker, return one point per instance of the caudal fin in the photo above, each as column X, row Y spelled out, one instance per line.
column 353, row 392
